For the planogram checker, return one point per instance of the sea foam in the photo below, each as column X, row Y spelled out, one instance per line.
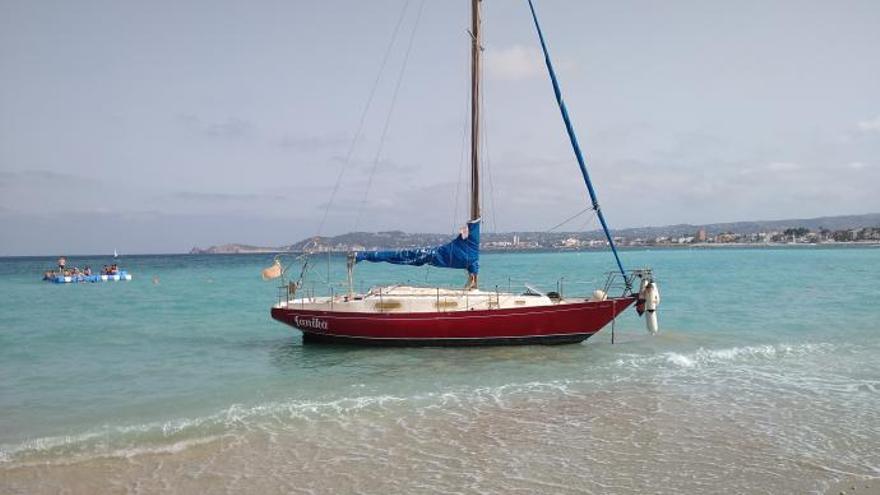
column 180, row 433
column 703, row 357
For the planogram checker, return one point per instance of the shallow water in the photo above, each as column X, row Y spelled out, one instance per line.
column 764, row 379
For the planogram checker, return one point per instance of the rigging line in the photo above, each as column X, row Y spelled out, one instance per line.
column 360, row 127
column 589, row 222
column 461, row 162
column 485, row 162
column 461, row 166
column 574, row 142
column 560, row 224
column 409, row 46
column 486, row 156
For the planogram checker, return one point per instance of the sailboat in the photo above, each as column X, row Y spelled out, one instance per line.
column 436, row 316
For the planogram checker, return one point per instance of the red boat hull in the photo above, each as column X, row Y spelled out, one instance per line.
column 557, row 324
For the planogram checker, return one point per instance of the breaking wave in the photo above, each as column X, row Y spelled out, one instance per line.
column 238, row 419
column 713, row 357
column 175, row 435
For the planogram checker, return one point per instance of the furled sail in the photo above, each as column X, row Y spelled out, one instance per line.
column 462, row 252
column 574, row 142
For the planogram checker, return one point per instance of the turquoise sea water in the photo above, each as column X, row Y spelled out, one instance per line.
column 765, row 377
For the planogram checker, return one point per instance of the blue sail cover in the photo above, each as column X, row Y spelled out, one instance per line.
column 460, row 253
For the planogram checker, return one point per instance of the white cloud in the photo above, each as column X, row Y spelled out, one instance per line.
column 783, row 166
column 514, row 63
column 857, row 165
column 872, row 125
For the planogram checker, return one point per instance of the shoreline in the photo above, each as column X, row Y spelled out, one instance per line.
column 665, row 247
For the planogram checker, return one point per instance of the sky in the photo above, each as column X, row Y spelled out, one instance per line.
column 159, row 126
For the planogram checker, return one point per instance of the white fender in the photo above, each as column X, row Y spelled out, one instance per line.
column 599, row 295
column 652, row 300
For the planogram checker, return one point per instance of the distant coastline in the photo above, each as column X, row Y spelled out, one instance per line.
column 732, row 245
column 848, row 230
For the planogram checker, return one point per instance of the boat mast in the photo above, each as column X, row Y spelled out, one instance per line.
column 475, row 109
column 475, row 122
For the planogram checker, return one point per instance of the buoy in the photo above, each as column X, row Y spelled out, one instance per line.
column 652, row 300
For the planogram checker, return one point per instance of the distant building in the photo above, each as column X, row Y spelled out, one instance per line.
column 726, row 237
column 701, row 235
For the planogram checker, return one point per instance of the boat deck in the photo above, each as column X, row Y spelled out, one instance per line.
column 407, row 299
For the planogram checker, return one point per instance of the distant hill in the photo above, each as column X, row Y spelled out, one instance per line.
column 399, row 240
column 236, row 249
column 843, row 222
